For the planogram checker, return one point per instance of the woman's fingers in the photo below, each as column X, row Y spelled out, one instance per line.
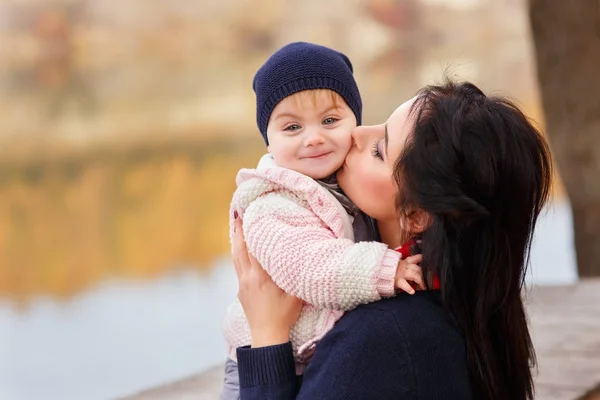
column 241, row 260
column 255, row 266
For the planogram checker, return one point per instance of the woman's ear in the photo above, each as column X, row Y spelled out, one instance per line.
column 417, row 221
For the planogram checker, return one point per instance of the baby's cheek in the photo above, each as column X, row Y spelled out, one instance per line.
column 345, row 143
column 283, row 157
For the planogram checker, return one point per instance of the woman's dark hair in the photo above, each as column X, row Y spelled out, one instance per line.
column 482, row 172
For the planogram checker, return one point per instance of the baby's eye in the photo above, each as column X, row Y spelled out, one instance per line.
column 292, row 127
column 330, row 120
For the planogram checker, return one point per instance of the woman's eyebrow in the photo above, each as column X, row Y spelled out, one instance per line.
column 387, row 139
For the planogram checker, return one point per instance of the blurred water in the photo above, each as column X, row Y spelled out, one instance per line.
column 125, row 336
column 553, row 259
column 121, row 337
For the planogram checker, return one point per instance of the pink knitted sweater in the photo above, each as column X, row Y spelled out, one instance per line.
column 303, row 238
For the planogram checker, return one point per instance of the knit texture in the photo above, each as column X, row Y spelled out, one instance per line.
column 303, row 66
column 303, row 238
column 406, row 347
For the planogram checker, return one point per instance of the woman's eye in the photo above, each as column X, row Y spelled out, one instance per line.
column 376, row 153
column 329, row 121
column 292, row 127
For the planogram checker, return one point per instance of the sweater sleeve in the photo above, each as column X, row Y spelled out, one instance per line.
column 362, row 359
column 307, row 260
column 267, row 373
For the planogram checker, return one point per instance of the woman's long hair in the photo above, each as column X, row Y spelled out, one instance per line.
column 482, row 173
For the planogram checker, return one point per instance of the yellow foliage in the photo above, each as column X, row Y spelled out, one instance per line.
column 60, row 234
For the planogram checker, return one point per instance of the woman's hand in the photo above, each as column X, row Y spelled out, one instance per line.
column 270, row 311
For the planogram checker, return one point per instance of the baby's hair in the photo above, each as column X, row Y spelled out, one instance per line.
column 305, row 96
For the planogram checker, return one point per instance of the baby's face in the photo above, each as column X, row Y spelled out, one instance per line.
column 310, row 132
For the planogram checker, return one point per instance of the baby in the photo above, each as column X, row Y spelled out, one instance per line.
column 312, row 240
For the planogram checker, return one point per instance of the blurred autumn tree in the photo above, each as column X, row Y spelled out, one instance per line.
column 566, row 37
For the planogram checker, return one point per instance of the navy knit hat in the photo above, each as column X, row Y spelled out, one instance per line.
column 303, row 66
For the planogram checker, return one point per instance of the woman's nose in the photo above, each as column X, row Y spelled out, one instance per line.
column 361, row 136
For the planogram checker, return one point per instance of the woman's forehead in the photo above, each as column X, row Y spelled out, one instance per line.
column 399, row 126
column 402, row 111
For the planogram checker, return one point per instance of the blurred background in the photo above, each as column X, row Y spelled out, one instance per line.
column 122, row 126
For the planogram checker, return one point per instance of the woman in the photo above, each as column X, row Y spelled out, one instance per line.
column 469, row 175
